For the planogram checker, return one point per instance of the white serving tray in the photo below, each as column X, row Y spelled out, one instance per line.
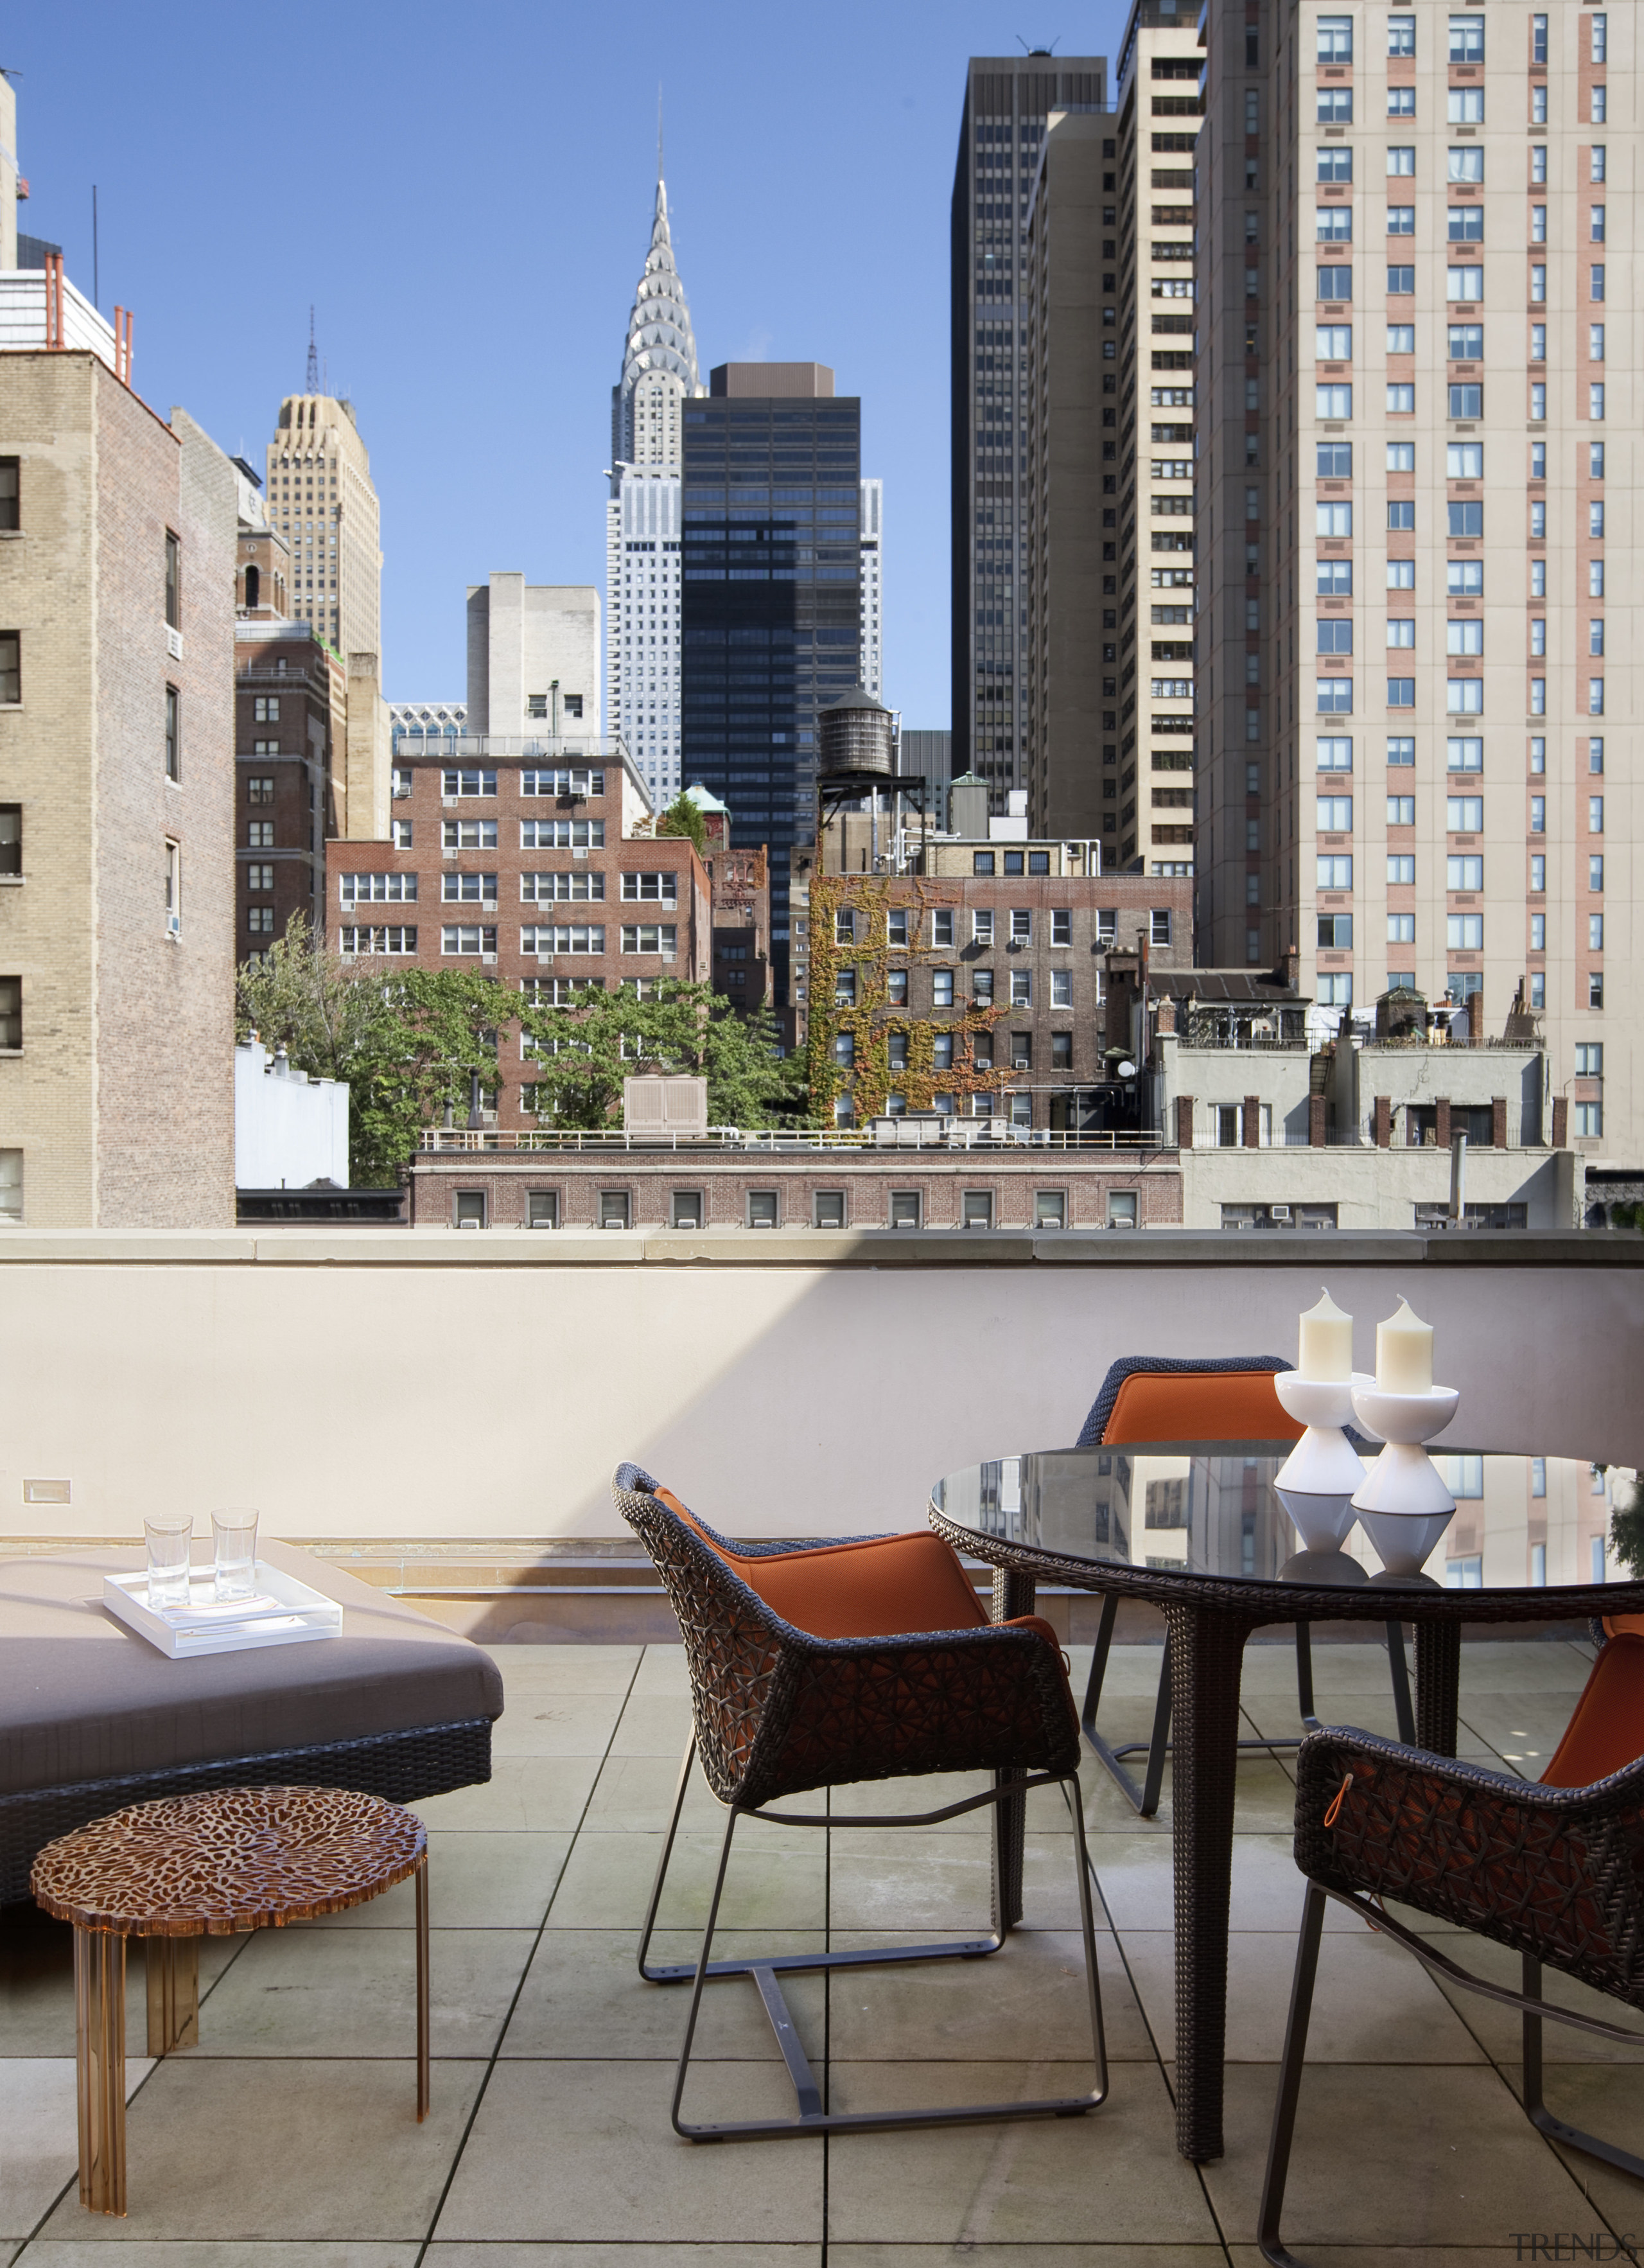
column 283, row 1611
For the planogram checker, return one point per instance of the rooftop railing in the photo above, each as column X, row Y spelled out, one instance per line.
column 910, row 1134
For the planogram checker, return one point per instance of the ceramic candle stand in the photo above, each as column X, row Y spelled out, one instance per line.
column 1322, row 1521
column 1323, row 1462
column 1403, row 1479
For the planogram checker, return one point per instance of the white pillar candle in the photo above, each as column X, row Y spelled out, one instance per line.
column 1326, row 1349
column 1404, row 1352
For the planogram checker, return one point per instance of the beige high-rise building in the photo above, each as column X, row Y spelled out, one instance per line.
column 1419, row 555
column 1108, row 562
column 321, row 500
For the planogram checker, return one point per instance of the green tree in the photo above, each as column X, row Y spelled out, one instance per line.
column 409, row 1041
column 1626, row 1532
column 587, row 1048
column 682, row 817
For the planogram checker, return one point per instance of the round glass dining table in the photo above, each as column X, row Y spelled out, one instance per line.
column 1199, row 1530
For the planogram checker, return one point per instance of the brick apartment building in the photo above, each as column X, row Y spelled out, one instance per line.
column 117, row 535
column 531, row 860
column 974, row 985
column 291, row 700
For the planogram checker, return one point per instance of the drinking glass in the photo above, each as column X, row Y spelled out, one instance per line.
column 234, row 1537
column 168, row 1537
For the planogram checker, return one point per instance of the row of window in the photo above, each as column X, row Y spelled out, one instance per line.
column 661, row 938
column 563, row 780
column 942, row 984
column 1463, row 341
column 1462, row 399
column 1463, row 932
column 1464, row 165
column 1462, row 635
column 902, row 925
column 1463, row 105
column 1464, row 516
column 763, row 1208
column 533, row 888
column 1334, row 35
column 1464, row 223
column 1464, row 696
column 1462, row 284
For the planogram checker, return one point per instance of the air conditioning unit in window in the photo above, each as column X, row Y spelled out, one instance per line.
column 1021, row 1063
column 487, row 905
column 173, row 642
column 1279, row 1212
column 449, row 802
column 579, row 854
column 174, row 926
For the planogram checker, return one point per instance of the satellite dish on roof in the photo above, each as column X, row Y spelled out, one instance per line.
column 1128, row 1070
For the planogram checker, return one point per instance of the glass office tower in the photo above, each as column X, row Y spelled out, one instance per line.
column 771, row 614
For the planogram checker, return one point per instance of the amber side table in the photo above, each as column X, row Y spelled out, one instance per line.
column 190, row 1867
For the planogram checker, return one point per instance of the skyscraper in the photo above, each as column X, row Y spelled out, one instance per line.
column 1007, row 102
column 772, row 611
column 659, row 372
column 871, row 544
column 321, row 499
column 1420, row 742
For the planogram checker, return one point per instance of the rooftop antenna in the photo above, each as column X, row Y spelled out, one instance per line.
column 1027, row 50
column 96, row 294
column 659, row 129
column 313, row 386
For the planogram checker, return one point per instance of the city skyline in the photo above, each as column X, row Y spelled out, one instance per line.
column 526, row 489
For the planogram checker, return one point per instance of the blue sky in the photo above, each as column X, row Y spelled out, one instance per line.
column 465, row 196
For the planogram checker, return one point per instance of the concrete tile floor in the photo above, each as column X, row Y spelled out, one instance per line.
column 288, row 2140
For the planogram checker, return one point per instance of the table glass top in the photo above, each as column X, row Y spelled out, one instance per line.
column 1211, row 1508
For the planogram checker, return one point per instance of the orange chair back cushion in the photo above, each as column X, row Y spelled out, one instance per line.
column 1607, row 1730
column 1215, row 1405
column 1614, row 1624
column 882, row 1588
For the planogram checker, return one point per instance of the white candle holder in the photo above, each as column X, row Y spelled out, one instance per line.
column 1404, row 1479
column 1323, row 1462
column 1322, row 1521
column 1403, row 1540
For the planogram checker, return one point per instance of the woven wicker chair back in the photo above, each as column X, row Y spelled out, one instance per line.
column 1148, row 1398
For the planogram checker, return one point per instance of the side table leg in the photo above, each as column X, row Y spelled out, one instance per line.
column 100, row 2029
column 1013, row 1595
column 1438, row 1685
column 1207, row 1651
column 424, row 2082
column 174, row 1977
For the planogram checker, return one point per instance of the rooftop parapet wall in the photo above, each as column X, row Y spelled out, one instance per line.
column 785, row 1385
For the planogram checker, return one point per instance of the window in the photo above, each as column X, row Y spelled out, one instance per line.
column 1401, row 867
column 173, row 733
column 1595, row 989
column 1334, row 402
column 1538, row 103
column 1537, row 521
column 896, row 988
column 174, row 582
column 1401, row 220
column 463, row 937
column 613, row 1208
column 1401, row 928
column 1538, row 873
column 1468, row 283
column 1401, row 515
column 480, row 834
column 568, row 937
column 1465, row 873
column 661, row 938
column 1595, row 522
column 662, row 887
column 1401, row 401
column 1464, row 105
column 399, row 832
column 1600, row 109
column 467, row 890
column 1464, row 754
column 1594, row 285
column 1595, row 932
column 11, row 516
column 982, row 925
column 1539, row 164
column 1335, row 107
column 1334, row 284
column 1464, row 815
column 396, row 940
column 827, row 1208
column 1594, row 873
column 467, row 783
column 1335, row 39
column 1401, row 749
column 542, row 1209
column 1595, row 696
column 976, row 1209
column 260, row 920
column 896, row 925
column 1401, row 282
column 1401, row 102
column 1332, row 520
column 941, row 926
column 1021, row 988
column 1159, row 925
column 1334, row 755
column 1589, row 1119
column 1595, row 756
column 1121, row 1208
column 1333, row 696
column 364, row 889
column 1463, row 932
column 1335, row 933
column 1595, row 162
column 1332, row 342
column 1464, row 519
column 469, row 1210
column 260, row 834
column 1335, row 874
column 1538, row 343
column 1539, row 416
column 941, row 1051
column 1335, row 814
column 1331, row 224
column 981, row 862
column 1402, row 160
column 761, row 1209
column 174, row 888
column 1401, row 629
column 1401, row 35
column 1465, row 637
column 1537, row 223
column 1538, row 814
column 1020, row 925
column 1596, row 402
column 259, row 791
column 1466, row 401
column 942, row 988
column 1401, row 456
column 1061, row 925
column 1464, row 578
column 1335, row 634
column 906, row 1208
column 1538, row 932
column 1401, row 338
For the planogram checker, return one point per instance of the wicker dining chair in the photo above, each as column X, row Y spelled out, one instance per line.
column 819, row 1663
column 1148, row 1398
column 1553, row 1869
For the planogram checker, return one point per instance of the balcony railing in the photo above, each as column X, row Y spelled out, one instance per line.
column 910, row 1134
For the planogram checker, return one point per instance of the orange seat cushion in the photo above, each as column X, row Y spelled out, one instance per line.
column 1607, row 1729
column 1615, row 1624
column 1215, row 1405
column 882, row 1588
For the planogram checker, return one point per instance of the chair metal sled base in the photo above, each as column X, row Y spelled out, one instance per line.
column 1145, row 1800
column 809, row 2117
column 1529, row 2003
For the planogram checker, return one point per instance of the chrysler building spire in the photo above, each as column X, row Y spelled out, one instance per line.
column 658, row 355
